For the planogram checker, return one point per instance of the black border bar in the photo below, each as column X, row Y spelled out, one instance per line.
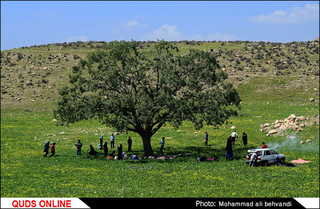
column 192, row 203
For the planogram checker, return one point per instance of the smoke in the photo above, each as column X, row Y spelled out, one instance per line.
column 292, row 143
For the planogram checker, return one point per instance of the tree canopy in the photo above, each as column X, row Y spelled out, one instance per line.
column 132, row 90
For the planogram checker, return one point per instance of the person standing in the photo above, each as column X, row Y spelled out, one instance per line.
column 46, row 148
column 105, row 149
column 245, row 139
column 206, row 139
column 162, row 146
column 253, row 159
column 53, row 149
column 229, row 149
column 129, row 144
column 234, row 135
column 112, row 137
column 101, row 142
column 78, row 145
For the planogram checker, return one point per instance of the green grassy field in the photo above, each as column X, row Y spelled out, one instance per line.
column 26, row 173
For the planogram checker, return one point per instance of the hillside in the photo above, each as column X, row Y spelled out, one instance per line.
column 274, row 81
column 31, row 76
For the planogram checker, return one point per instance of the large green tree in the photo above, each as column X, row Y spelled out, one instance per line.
column 140, row 91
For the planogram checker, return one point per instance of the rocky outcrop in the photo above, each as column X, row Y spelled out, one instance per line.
column 279, row 126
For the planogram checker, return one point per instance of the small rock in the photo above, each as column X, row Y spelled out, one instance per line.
column 302, row 142
column 308, row 141
column 292, row 117
column 266, row 125
column 282, row 128
column 272, row 132
column 54, row 120
column 277, row 125
column 311, row 99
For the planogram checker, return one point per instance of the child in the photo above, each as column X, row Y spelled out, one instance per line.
column 53, row 149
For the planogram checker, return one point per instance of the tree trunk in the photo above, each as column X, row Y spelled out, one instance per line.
column 146, row 140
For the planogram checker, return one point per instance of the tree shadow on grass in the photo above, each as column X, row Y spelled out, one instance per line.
column 239, row 151
column 185, row 154
column 194, row 152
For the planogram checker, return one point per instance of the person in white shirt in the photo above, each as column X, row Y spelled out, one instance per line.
column 234, row 135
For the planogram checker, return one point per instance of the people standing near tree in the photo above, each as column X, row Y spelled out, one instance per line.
column 162, row 146
column 53, row 149
column 120, row 152
column 234, row 135
column 46, row 148
column 101, row 142
column 78, row 145
column 206, row 139
column 112, row 138
column 105, row 149
column 245, row 139
column 129, row 144
column 229, row 149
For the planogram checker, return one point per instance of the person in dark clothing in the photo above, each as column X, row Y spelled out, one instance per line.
column 105, row 149
column 92, row 151
column 245, row 139
column 46, row 148
column 78, row 145
column 101, row 142
column 129, row 144
column 120, row 152
column 112, row 154
column 229, row 149
column 203, row 158
column 53, row 149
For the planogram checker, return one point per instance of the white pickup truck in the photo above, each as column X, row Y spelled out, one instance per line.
column 266, row 156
